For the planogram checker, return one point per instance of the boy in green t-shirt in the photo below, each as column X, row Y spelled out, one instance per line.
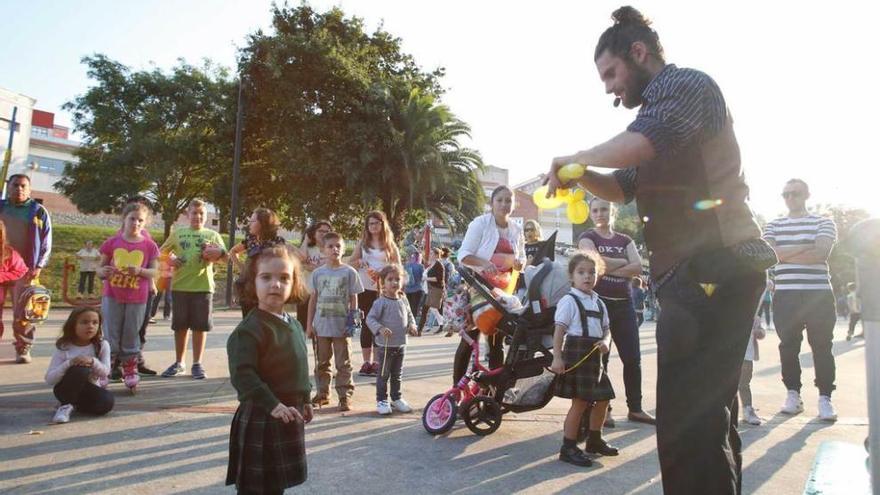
column 195, row 249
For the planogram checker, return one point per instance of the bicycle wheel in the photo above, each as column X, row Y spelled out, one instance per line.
column 439, row 414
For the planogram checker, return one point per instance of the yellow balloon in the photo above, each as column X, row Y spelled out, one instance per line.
column 572, row 171
column 563, row 193
column 579, row 195
column 578, row 212
column 542, row 201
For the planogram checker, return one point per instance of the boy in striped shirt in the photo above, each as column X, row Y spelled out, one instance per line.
column 803, row 296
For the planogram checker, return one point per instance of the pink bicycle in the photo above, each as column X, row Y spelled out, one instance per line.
column 481, row 413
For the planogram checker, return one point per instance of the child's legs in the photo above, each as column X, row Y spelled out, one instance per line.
column 853, row 319
column 365, row 302
column 69, row 389
column 745, row 378
column 94, row 400
column 342, row 357
column 383, row 358
column 322, row 368
column 181, row 339
column 395, row 356
column 573, row 418
column 367, row 344
column 114, row 318
column 199, row 340
column 597, row 415
column 130, row 342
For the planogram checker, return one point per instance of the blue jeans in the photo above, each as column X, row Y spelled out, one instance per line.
column 390, row 366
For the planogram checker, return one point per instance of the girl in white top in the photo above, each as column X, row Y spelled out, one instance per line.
column 80, row 366
column 373, row 252
column 494, row 246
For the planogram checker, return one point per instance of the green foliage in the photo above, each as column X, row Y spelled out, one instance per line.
column 841, row 263
column 339, row 121
column 167, row 136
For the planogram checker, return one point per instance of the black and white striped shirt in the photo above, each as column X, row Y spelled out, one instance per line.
column 801, row 231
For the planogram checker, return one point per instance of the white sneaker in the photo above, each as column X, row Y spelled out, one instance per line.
column 793, row 403
column 401, row 405
column 383, row 408
column 750, row 416
column 826, row 409
column 62, row 415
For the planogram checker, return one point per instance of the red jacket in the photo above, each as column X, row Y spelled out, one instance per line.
column 13, row 267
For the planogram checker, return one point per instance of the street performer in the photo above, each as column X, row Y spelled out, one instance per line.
column 680, row 161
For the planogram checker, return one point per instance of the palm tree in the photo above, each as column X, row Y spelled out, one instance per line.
column 424, row 166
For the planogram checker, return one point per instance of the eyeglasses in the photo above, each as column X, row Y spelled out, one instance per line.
column 792, row 194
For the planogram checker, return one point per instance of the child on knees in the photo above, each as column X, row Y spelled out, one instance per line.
column 268, row 366
column 750, row 414
column 582, row 319
column 80, row 366
column 335, row 288
column 128, row 263
column 391, row 319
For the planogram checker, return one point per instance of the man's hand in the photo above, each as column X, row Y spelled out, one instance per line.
column 552, row 179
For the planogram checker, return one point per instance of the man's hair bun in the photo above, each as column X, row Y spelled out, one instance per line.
column 629, row 16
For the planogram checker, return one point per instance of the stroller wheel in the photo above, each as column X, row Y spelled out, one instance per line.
column 439, row 414
column 482, row 415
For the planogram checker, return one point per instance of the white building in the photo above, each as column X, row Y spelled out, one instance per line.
column 23, row 106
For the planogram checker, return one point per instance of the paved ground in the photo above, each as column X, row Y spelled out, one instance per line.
column 172, row 436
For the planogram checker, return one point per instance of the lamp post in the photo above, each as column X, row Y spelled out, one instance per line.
column 236, row 164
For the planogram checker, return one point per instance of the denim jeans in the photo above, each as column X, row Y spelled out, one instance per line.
column 390, row 361
column 625, row 334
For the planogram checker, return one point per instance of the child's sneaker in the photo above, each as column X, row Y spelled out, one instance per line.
column 826, row 409
column 344, row 404
column 62, row 415
column 174, row 370
column 750, row 416
column 793, row 403
column 198, row 372
column 383, row 408
column 401, row 405
column 366, row 370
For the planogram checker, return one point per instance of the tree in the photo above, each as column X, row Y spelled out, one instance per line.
column 328, row 129
column 164, row 135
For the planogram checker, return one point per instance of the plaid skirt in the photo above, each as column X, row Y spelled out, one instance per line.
column 588, row 381
column 265, row 453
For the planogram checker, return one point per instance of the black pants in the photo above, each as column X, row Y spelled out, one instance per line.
column 165, row 296
column 640, row 318
column 365, row 302
column 463, row 354
column 853, row 319
column 86, row 278
column 701, row 341
column 415, row 301
column 764, row 309
column 151, row 297
column 75, row 388
column 794, row 310
column 625, row 334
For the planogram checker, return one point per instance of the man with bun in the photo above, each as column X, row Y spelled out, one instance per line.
column 680, row 161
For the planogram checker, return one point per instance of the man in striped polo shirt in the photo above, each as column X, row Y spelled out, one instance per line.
column 803, row 297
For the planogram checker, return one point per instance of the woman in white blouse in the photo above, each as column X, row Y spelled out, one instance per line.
column 494, row 246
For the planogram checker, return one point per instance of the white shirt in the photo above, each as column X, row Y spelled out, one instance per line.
column 61, row 362
column 567, row 315
column 482, row 237
column 89, row 259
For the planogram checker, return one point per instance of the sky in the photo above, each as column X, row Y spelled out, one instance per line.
column 799, row 80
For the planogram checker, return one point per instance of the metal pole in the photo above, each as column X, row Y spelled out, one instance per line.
column 864, row 243
column 7, row 157
column 233, row 217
